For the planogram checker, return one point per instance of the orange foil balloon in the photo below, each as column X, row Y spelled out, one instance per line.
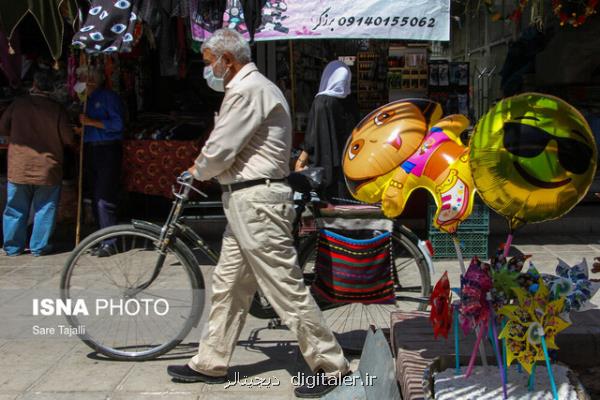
column 404, row 146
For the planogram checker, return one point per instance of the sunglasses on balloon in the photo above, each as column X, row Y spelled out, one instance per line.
column 529, row 141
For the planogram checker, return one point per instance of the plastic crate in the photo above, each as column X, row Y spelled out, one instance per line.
column 479, row 220
column 473, row 243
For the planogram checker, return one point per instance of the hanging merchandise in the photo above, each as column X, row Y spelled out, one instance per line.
column 10, row 60
column 206, row 16
column 574, row 12
column 518, row 12
column 292, row 19
column 47, row 14
column 533, row 158
column 71, row 74
column 108, row 27
column 253, row 15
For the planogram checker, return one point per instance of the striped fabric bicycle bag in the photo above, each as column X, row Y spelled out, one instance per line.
column 354, row 265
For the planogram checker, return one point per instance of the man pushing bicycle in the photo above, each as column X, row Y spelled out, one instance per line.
column 248, row 152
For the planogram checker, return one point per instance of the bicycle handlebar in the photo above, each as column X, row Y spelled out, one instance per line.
column 186, row 184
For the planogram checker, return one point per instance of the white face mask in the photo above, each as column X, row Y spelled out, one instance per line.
column 215, row 83
column 79, row 87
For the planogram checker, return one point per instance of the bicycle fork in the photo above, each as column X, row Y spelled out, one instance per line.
column 169, row 229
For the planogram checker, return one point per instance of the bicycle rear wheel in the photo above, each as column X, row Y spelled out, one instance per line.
column 125, row 320
column 350, row 322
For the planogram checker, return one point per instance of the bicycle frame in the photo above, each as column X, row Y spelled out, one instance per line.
column 173, row 228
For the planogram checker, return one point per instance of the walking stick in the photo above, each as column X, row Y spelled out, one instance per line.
column 80, row 183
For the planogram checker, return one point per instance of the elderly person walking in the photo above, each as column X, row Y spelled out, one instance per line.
column 39, row 129
column 103, row 152
column 248, row 152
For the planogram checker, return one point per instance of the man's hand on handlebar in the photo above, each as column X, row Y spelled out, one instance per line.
column 191, row 170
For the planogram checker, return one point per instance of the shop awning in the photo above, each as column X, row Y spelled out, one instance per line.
column 47, row 14
column 349, row 19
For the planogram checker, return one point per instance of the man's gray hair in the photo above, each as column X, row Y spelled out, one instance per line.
column 227, row 40
column 43, row 80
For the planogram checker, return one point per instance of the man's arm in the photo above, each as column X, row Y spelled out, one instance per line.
column 238, row 120
column 113, row 122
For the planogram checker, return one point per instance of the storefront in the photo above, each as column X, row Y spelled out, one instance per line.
column 170, row 110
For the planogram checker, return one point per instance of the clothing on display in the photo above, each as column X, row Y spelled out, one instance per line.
column 47, row 14
column 10, row 64
column 253, row 15
column 108, row 27
column 206, row 15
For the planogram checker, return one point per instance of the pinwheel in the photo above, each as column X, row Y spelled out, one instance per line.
column 574, row 284
column 441, row 311
column 476, row 311
column 532, row 326
column 504, row 281
column 474, row 286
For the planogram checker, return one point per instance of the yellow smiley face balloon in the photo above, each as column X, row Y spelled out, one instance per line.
column 533, row 158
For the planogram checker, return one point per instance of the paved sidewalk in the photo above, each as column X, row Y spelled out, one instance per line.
column 40, row 368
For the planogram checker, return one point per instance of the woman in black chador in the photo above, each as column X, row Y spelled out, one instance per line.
column 332, row 117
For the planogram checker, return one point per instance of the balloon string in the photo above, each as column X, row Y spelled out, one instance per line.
column 459, row 253
column 456, row 347
column 509, row 240
column 550, row 374
column 498, row 357
column 474, row 352
column 504, row 349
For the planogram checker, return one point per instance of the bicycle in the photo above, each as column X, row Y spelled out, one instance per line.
column 155, row 282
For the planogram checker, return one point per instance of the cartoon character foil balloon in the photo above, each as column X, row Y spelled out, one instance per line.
column 533, row 158
column 404, row 146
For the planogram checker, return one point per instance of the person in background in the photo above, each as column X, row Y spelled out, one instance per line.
column 102, row 136
column 248, row 151
column 332, row 117
column 38, row 130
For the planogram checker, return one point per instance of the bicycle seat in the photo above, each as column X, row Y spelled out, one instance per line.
column 307, row 180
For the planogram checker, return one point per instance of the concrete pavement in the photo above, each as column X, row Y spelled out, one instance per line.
column 65, row 368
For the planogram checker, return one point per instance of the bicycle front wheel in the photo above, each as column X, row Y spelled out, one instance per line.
column 140, row 303
column 350, row 321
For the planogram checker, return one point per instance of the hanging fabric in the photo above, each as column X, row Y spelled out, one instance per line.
column 10, row 60
column 108, row 27
column 47, row 14
column 354, row 262
column 206, row 15
column 253, row 15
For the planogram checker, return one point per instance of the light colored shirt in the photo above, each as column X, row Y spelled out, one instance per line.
column 252, row 137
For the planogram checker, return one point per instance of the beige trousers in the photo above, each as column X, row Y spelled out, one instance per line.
column 258, row 251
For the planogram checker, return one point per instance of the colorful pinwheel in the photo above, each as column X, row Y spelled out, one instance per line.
column 441, row 311
column 534, row 315
column 573, row 283
column 474, row 286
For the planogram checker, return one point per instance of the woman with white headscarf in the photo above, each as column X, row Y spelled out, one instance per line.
column 332, row 117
